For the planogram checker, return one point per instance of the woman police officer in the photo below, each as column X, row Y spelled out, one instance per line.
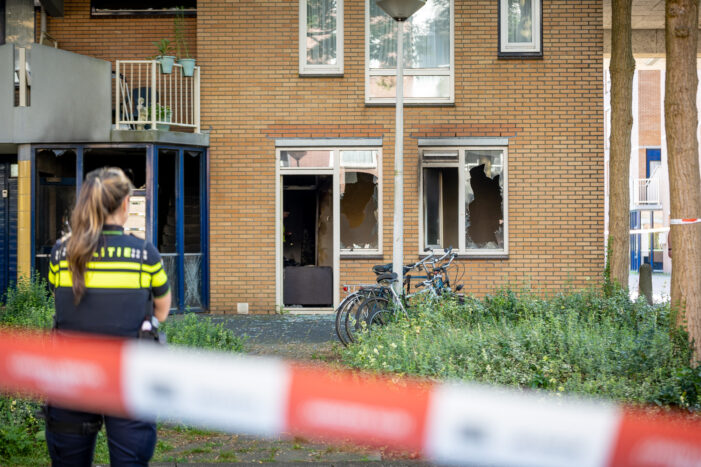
column 103, row 281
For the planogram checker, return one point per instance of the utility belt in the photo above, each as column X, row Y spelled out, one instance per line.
column 70, row 428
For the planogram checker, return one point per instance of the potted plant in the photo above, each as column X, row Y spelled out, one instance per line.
column 165, row 57
column 184, row 59
column 163, row 114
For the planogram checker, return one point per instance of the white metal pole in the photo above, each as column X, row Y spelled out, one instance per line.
column 398, row 248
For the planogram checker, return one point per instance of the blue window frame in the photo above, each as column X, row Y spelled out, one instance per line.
column 190, row 178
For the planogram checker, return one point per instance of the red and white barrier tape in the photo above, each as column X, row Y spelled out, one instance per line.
column 684, row 221
column 448, row 423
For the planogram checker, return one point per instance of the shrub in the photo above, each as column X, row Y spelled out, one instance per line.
column 28, row 304
column 583, row 342
column 200, row 332
column 21, row 433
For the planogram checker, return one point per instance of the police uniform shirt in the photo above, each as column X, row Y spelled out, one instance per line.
column 117, row 283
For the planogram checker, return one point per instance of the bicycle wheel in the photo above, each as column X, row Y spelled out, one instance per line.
column 342, row 313
column 379, row 317
column 359, row 321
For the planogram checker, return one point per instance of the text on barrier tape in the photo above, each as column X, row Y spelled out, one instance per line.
column 451, row 423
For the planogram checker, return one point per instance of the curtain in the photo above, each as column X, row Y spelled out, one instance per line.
column 321, row 32
column 426, row 38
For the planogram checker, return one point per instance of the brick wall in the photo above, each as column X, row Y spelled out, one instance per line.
column 252, row 93
column 550, row 109
column 115, row 38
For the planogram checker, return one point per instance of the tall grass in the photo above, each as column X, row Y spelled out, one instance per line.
column 583, row 343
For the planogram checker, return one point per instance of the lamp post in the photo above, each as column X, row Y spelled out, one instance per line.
column 400, row 11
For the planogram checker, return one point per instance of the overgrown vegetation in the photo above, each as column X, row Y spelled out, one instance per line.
column 29, row 305
column 192, row 331
column 585, row 343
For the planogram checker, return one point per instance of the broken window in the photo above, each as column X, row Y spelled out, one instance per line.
column 463, row 200
column 359, row 202
column 484, row 214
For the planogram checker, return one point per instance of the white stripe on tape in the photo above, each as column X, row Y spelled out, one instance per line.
column 490, row 426
column 684, row 221
column 227, row 392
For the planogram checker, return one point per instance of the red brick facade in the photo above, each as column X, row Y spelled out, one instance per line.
column 549, row 108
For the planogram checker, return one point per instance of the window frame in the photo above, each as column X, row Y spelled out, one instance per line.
column 507, row 49
column 450, row 71
column 462, row 180
column 107, row 13
column 336, row 166
column 320, row 70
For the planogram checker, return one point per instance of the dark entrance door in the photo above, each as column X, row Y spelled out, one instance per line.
column 8, row 225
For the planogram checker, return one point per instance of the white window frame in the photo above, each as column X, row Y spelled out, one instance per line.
column 521, row 49
column 450, row 71
column 462, row 180
column 320, row 70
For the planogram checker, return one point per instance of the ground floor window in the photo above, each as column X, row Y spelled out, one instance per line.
column 167, row 207
column 464, row 199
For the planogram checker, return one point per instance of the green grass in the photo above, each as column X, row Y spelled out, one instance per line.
column 583, row 343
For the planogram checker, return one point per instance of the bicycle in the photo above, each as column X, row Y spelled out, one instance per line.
column 346, row 323
column 378, row 310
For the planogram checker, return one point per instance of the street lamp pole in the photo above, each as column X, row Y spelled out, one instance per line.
column 398, row 232
column 400, row 11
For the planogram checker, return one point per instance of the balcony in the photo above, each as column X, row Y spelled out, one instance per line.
column 49, row 95
column 646, row 191
column 146, row 98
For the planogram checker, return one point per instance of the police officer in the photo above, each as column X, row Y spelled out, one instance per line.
column 105, row 282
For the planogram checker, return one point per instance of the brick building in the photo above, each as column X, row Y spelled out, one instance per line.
column 279, row 189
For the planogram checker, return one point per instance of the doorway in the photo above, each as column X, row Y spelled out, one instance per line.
column 307, row 241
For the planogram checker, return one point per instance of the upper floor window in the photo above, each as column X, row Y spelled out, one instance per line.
column 428, row 54
column 464, row 200
column 142, row 7
column 321, row 37
column 520, row 28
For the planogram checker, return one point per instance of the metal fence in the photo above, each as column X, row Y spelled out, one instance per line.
column 146, row 98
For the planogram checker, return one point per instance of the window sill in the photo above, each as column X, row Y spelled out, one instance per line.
column 520, row 55
column 372, row 255
column 470, row 255
column 411, row 104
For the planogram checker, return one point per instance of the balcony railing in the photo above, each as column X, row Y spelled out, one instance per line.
column 147, row 98
column 646, row 191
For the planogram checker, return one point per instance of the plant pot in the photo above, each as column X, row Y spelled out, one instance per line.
column 166, row 62
column 188, row 65
column 165, row 126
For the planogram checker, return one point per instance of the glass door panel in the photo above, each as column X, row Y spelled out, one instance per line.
column 166, row 218
column 55, row 198
column 192, row 178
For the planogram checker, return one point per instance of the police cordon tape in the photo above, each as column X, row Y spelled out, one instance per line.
column 684, row 221
column 450, row 423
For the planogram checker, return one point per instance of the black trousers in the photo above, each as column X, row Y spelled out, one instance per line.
column 130, row 442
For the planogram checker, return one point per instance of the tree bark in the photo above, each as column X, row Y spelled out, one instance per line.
column 622, row 68
column 681, row 119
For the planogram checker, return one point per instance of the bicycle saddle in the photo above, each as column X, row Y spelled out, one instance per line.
column 388, row 276
column 385, row 268
column 382, row 268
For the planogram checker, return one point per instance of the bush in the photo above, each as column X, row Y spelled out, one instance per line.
column 200, row 332
column 28, row 304
column 584, row 343
column 21, row 432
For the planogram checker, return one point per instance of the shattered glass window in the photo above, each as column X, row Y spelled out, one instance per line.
column 359, row 202
column 484, row 212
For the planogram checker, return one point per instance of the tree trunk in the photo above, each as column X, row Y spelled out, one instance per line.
column 622, row 68
column 681, row 31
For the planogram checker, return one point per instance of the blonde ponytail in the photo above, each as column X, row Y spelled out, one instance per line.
column 101, row 195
